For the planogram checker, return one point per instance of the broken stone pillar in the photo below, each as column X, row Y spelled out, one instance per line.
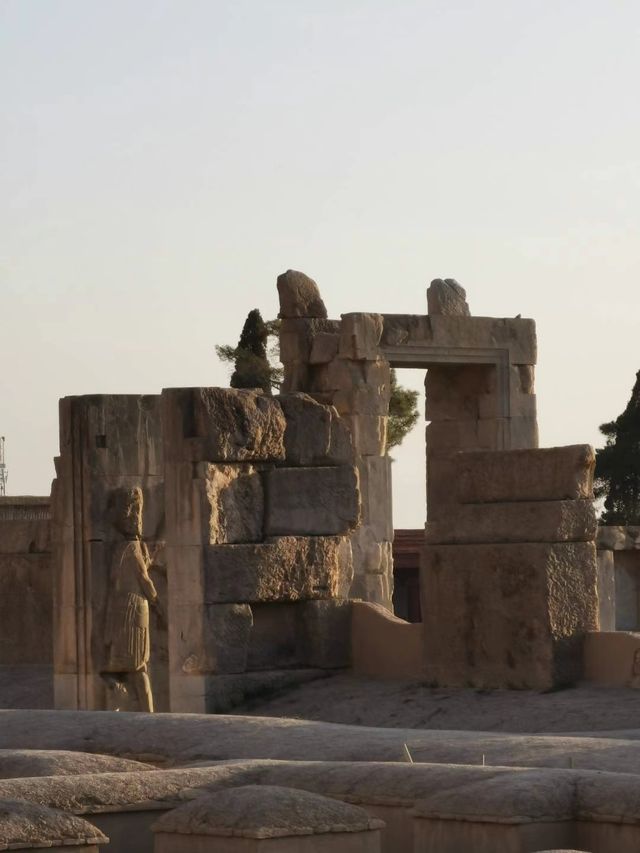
column 109, row 444
column 260, row 504
column 340, row 363
column 266, row 819
column 509, row 576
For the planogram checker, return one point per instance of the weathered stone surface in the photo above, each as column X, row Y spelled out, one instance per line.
column 324, row 348
column 234, row 498
column 308, row 339
column 26, row 609
column 368, row 433
column 606, row 591
column 315, row 433
column 459, row 392
column 264, row 811
column 371, row 554
column 447, row 297
column 312, row 501
column 30, row 825
column 299, row 296
column 286, row 568
column 616, row 537
column 20, row 763
column 517, row 335
column 324, row 633
column 223, row 645
column 507, row 615
column 376, row 589
column 550, row 474
column 360, row 335
column 375, row 488
column 238, row 425
column 520, row 521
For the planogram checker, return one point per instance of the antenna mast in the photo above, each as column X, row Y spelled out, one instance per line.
column 4, row 474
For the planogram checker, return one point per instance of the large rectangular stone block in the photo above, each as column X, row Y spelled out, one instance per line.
column 238, row 425
column 324, row 633
column 550, row 474
column 213, row 638
column 510, row 615
column 375, row 487
column 232, row 503
column 360, row 336
column 518, row 335
column 286, row 568
column 520, row 521
column 312, row 501
column 315, row 433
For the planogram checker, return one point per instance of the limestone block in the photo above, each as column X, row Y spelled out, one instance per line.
column 613, row 538
column 255, row 818
column 460, row 392
column 360, row 336
column 371, row 555
column 301, row 337
column 526, row 375
column 295, row 377
column 606, row 591
column 120, row 434
column 274, row 637
column 376, row 589
column 401, row 329
column 233, row 504
column 312, row 501
column 239, row 425
column 324, row 633
column 213, row 638
column 507, row 615
column 369, row 433
column 286, row 568
column 299, row 296
column 518, row 335
column 555, row 473
column 520, row 521
column 315, row 434
column 447, row 297
column 375, row 488
column 324, row 348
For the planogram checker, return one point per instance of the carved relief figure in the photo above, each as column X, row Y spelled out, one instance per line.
column 131, row 590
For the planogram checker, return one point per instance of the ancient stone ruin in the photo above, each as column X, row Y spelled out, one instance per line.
column 205, row 546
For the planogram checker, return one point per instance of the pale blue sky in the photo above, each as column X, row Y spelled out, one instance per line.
column 162, row 162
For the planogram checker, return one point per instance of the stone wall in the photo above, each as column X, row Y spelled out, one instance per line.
column 509, row 578
column 340, row 363
column 26, row 583
column 108, row 443
column 262, row 494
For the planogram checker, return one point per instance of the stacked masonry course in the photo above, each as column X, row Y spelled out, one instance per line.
column 263, row 518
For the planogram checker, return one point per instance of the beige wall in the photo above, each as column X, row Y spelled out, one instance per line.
column 384, row 646
column 609, row 658
column 25, row 581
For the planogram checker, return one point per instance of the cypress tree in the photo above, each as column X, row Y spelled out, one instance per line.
column 403, row 412
column 617, row 476
column 251, row 365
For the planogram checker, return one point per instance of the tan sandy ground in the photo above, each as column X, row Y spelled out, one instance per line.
column 359, row 701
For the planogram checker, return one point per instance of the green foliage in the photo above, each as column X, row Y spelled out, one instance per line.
column 617, row 476
column 250, row 358
column 403, row 412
